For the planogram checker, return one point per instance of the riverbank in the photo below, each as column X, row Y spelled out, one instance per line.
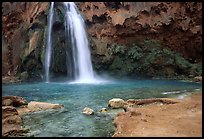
column 183, row 119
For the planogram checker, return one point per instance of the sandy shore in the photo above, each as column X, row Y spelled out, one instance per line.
column 183, row 119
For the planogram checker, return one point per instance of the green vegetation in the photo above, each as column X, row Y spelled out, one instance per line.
column 148, row 59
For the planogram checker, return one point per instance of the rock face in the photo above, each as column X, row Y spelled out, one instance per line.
column 23, row 36
column 126, row 22
column 147, row 38
column 116, row 103
column 172, row 24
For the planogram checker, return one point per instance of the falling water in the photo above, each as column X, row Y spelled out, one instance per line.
column 81, row 66
column 78, row 57
column 49, row 43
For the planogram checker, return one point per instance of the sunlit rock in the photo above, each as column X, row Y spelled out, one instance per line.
column 88, row 111
column 37, row 106
column 116, row 103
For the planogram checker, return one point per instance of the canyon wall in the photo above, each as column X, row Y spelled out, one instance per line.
column 126, row 38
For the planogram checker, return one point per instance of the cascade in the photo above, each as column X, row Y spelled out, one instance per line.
column 80, row 65
column 49, row 43
column 78, row 56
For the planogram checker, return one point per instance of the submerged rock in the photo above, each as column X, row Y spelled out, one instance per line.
column 37, row 106
column 116, row 103
column 88, row 111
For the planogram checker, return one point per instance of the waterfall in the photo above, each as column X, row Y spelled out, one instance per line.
column 78, row 56
column 81, row 65
column 49, row 43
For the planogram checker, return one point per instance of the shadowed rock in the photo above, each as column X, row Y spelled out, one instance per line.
column 15, row 101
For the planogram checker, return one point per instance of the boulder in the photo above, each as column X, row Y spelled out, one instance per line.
column 116, row 103
column 37, row 106
column 88, row 111
column 15, row 101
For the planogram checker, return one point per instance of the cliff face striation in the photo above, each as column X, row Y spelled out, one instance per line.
column 148, row 38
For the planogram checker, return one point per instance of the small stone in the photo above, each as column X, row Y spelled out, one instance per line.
column 103, row 110
column 88, row 111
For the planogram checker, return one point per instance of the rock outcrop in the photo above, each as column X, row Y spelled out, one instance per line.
column 13, row 108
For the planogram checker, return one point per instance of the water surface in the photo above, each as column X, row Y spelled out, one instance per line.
column 70, row 122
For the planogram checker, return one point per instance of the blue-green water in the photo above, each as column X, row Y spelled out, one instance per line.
column 69, row 121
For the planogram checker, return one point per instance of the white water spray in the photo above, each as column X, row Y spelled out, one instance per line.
column 76, row 32
column 49, row 43
column 79, row 64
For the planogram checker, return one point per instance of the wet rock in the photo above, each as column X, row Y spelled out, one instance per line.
column 116, row 103
column 103, row 110
column 37, row 106
column 88, row 111
column 15, row 101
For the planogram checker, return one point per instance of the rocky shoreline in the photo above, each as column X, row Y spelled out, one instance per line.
column 145, row 118
column 140, row 118
column 13, row 108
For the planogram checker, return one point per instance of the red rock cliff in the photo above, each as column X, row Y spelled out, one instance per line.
column 177, row 25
